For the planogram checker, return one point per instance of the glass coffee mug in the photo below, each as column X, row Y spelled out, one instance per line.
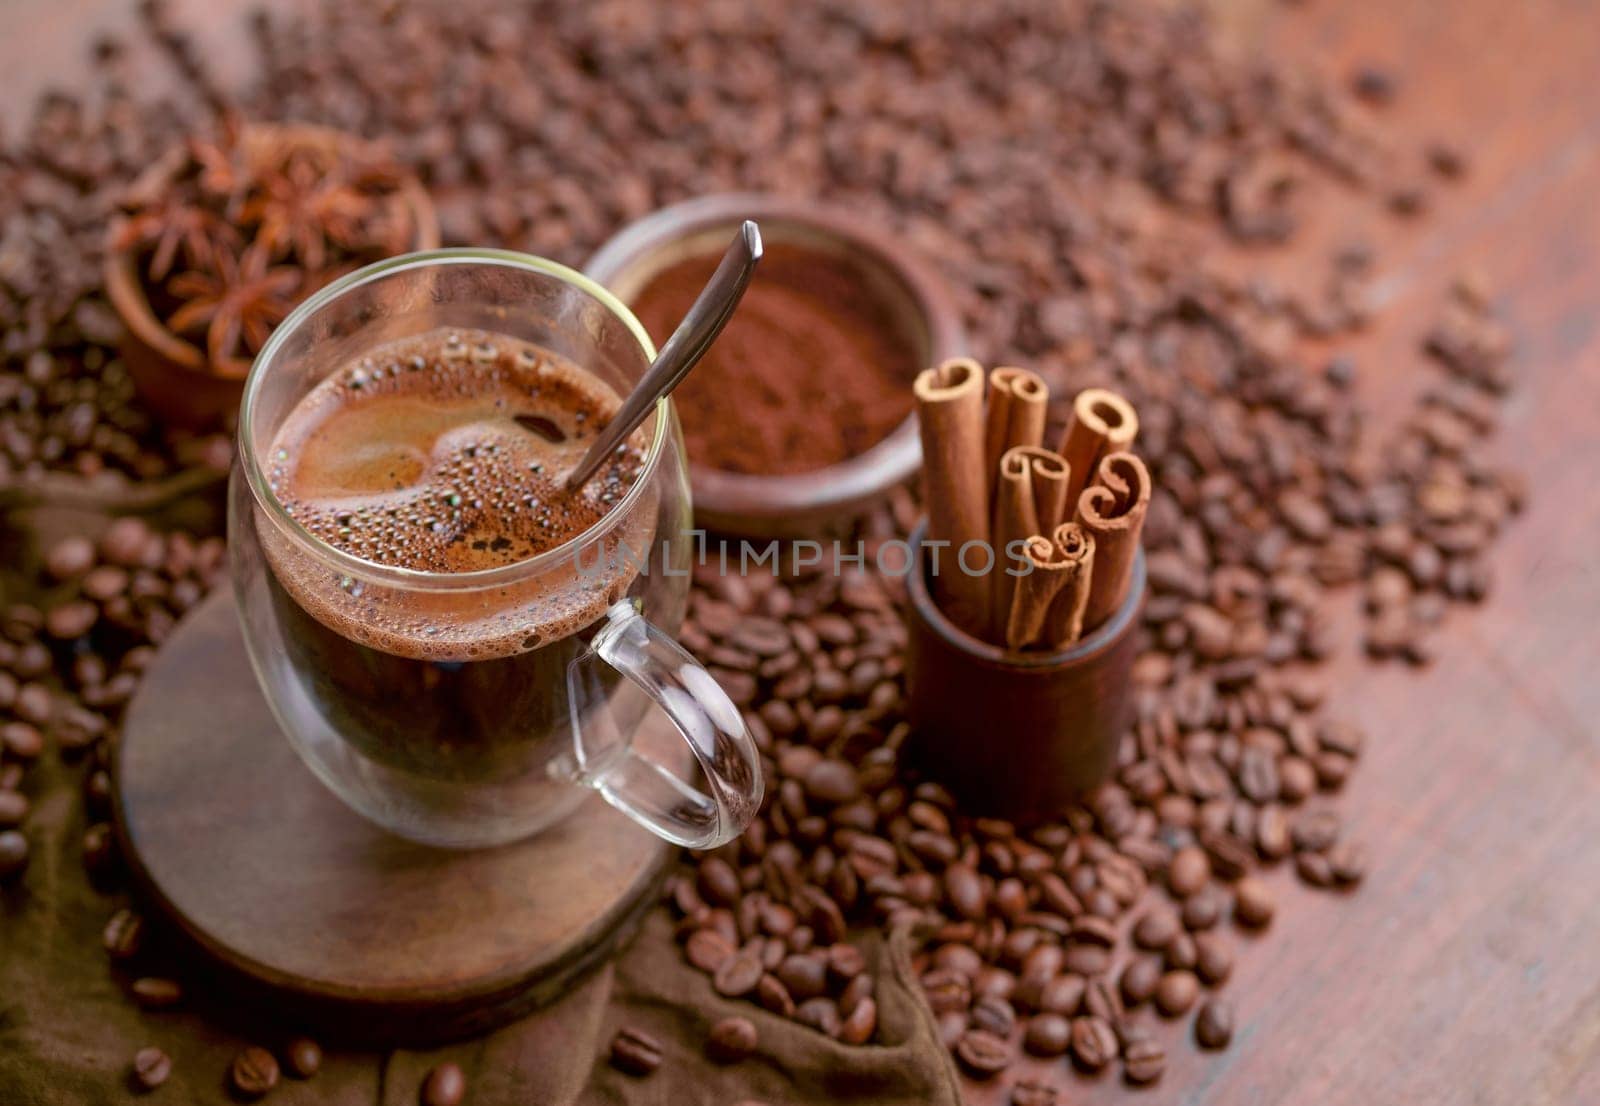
column 401, row 689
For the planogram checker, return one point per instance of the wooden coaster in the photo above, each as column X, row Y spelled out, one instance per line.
column 359, row 933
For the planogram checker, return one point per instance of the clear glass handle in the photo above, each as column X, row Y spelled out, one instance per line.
column 642, row 788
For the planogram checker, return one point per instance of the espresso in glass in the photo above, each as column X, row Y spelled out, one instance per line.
column 445, row 453
column 460, row 648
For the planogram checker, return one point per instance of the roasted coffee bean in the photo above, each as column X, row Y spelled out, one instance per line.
column 1177, row 992
column 1213, row 1025
column 1047, row 1034
column 1156, row 928
column 1202, row 910
column 123, row 937
column 1181, row 953
column 707, row 949
column 1101, row 1000
column 832, row 782
column 946, row 990
column 994, row 1014
column 1063, row 994
column 444, row 1085
column 983, row 1054
column 845, row 962
column 99, row 848
column 805, row 975
column 961, row 959
column 635, row 1052
column 1094, row 1043
column 156, row 992
column 1139, row 980
column 1348, row 862
column 21, row 740
column 821, row 1014
column 1087, row 960
column 69, row 558
column 1315, row 830
column 719, row 883
column 738, row 975
column 731, row 1040
column 1032, row 1092
column 964, row 887
column 1189, row 871
column 1230, row 857
column 1253, row 902
column 151, row 1068
column 1314, row 868
column 1213, row 958
column 1273, row 841
column 254, row 1072
column 1143, row 1062
column 303, row 1057
column 860, row 1021
column 772, row 995
column 13, row 808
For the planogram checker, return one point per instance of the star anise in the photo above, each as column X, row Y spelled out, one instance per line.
column 298, row 210
column 173, row 224
column 237, row 302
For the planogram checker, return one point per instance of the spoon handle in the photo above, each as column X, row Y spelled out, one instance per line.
column 700, row 327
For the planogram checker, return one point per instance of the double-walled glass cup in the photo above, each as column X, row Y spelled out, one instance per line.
column 474, row 708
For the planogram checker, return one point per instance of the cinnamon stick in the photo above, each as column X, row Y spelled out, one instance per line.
column 1075, row 548
column 950, row 416
column 1035, row 591
column 1102, row 422
column 1015, row 520
column 1112, row 513
column 1016, row 414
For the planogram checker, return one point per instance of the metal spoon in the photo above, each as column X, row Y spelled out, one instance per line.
column 700, row 327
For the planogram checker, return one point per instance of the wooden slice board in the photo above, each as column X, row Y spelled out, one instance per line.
column 363, row 934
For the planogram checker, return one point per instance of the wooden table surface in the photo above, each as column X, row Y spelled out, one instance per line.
column 1467, row 968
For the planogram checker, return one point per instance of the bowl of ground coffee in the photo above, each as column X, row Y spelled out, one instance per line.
column 800, row 415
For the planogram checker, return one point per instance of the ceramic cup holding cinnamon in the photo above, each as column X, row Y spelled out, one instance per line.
column 1017, row 734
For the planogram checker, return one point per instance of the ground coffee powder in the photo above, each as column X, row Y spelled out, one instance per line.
column 812, row 370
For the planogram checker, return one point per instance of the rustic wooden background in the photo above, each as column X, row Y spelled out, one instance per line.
column 1467, row 968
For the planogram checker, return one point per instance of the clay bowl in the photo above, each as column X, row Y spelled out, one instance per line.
column 175, row 377
column 806, row 503
column 1017, row 735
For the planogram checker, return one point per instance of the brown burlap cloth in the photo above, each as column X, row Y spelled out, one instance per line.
column 68, row 1031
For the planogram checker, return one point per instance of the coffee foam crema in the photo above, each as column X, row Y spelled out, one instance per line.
column 444, row 453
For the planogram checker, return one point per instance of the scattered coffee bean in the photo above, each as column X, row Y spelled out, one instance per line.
column 1143, row 1062
column 731, row 1040
column 1253, row 902
column 1139, row 980
column 1189, row 871
column 1177, row 992
column 635, row 1052
column 1047, row 1035
column 1213, row 958
column 860, row 1023
column 1348, row 862
column 1032, row 1092
column 254, row 1072
column 1314, row 868
column 738, row 975
column 444, row 1085
column 303, row 1057
column 151, row 1068
column 123, row 936
column 982, row 1054
column 1094, row 1043
column 1213, row 1025
column 156, row 992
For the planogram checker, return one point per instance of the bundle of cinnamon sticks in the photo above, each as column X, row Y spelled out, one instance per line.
column 1027, row 547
